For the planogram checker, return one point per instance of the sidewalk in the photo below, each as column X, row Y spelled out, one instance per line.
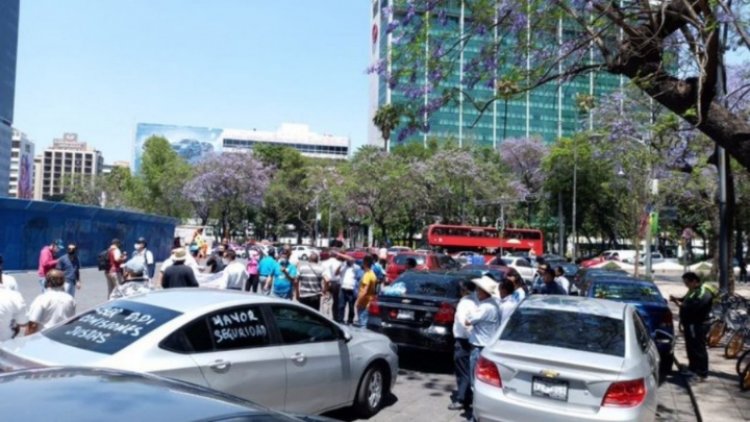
column 719, row 398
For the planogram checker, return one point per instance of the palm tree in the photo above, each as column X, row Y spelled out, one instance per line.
column 386, row 119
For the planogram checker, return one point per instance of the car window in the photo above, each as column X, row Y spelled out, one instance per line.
column 641, row 332
column 297, row 325
column 233, row 328
column 636, row 292
column 447, row 262
column 421, row 284
column 568, row 330
column 111, row 327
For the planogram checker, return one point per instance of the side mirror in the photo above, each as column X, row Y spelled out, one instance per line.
column 346, row 335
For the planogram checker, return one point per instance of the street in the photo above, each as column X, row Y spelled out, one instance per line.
column 423, row 389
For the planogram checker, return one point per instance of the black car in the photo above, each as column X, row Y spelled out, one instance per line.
column 86, row 394
column 417, row 310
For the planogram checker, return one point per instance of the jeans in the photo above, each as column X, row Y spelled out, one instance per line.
column 362, row 316
column 335, row 291
column 462, row 362
column 347, row 297
column 70, row 288
column 475, row 352
column 695, row 343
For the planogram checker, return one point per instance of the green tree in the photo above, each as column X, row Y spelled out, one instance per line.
column 158, row 187
column 386, row 120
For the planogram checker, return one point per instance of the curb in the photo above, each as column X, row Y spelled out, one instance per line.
column 693, row 400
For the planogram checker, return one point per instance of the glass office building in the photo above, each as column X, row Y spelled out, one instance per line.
column 548, row 112
column 8, row 48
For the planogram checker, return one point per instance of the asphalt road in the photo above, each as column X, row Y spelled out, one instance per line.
column 425, row 383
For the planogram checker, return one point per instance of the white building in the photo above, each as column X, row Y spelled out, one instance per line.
column 296, row 136
column 68, row 161
column 21, row 166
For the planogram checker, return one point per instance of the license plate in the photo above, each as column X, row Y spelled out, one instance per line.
column 551, row 389
column 405, row 314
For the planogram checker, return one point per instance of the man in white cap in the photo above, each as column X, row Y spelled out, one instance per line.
column 485, row 320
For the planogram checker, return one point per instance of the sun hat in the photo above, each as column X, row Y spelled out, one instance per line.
column 179, row 254
column 487, row 284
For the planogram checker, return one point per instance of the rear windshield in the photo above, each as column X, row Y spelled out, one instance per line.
column 627, row 292
column 568, row 330
column 401, row 259
column 111, row 327
column 420, row 284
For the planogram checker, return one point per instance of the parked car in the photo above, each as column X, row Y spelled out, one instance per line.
column 302, row 253
column 567, row 358
column 216, row 339
column 584, row 276
column 650, row 304
column 417, row 310
column 497, row 272
column 107, row 395
column 425, row 261
column 394, row 250
column 522, row 265
column 465, row 257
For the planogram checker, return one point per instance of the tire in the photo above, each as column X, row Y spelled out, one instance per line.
column 743, row 361
column 745, row 379
column 371, row 393
column 734, row 345
column 715, row 333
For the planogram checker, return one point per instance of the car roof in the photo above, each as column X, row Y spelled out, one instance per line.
column 585, row 305
column 188, row 300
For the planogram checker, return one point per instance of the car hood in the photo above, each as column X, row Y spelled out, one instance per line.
column 361, row 335
column 39, row 351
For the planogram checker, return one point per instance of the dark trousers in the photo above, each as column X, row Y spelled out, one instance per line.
column 462, row 362
column 335, row 291
column 347, row 297
column 311, row 301
column 252, row 283
column 695, row 343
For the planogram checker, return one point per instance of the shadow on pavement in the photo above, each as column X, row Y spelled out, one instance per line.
column 422, row 361
column 348, row 414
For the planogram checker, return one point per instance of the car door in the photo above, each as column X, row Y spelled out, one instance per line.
column 234, row 350
column 317, row 360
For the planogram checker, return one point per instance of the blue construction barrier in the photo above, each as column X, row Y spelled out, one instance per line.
column 26, row 226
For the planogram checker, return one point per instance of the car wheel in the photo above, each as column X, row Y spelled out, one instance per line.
column 715, row 333
column 372, row 390
column 734, row 345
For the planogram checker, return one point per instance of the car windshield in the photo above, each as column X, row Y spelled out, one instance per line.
column 111, row 327
column 421, row 284
column 628, row 291
column 568, row 330
column 401, row 259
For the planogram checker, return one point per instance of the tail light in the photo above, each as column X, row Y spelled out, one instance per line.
column 486, row 371
column 374, row 307
column 625, row 394
column 445, row 314
column 666, row 319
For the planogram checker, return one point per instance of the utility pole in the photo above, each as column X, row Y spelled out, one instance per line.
column 722, row 162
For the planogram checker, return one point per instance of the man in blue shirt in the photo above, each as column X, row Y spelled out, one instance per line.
column 284, row 279
column 267, row 267
column 551, row 287
column 71, row 269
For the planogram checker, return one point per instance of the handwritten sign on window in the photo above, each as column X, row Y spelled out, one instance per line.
column 111, row 327
column 238, row 328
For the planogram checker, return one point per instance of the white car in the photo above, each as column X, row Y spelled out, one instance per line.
column 275, row 352
column 302, row 253
column 522, row 265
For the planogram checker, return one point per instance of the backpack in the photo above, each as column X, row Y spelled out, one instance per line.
column 102, row 260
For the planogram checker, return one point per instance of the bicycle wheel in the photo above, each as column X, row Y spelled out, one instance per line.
column 734, row 345
column 716, row 333
column 745, row 379
column 742, row 361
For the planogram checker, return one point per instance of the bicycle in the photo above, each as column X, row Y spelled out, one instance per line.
column 740, row 329
column 724, row 314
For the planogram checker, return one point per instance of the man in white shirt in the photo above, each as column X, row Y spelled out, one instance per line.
column 12, row 313
column 485, row 320
column 235, row 274
column 332, row 284
column 51, row 307
column 7, row 281
column 507, row 304
column 562, row 280
column 462, row 349
column 349, row 272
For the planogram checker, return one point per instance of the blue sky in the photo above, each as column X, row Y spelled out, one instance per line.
column 98, row 67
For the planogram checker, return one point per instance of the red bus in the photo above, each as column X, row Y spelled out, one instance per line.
column 468, row 238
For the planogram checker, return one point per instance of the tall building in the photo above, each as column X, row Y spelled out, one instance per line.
column 8, row 49
column 68, row 161
column 21, row 167
column 548, row 112
column 192, row 143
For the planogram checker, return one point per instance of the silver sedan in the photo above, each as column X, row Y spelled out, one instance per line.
column 565, row 358
column 274, row 352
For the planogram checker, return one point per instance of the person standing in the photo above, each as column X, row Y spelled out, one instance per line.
column 235, row 274
column 562, row 280
column 310, row 286
column 71, row 268
column 695, row 308
column 485, row 320
column 178, row 274
column 367, row 290
column 267, row 267
column 252, row 270
column 519, row 293
column 135, row 281
column 47, row 261
column 349, row 279
column 114, row 272
column 13, row 313
column 143, row 253
column 284, row 280
column 550, row 286
column 332, row 282
column 462, row 398
column 215, row 262
column 51, row 307
column 507, row 303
